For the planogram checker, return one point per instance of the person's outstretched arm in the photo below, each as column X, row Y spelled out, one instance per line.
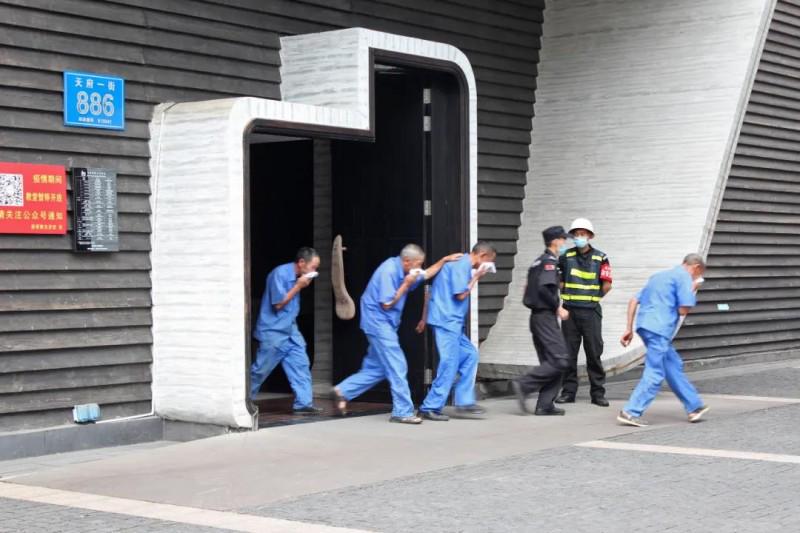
column 434, row 269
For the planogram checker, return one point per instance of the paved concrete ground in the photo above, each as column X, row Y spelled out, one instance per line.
column 212, row 473
column 20, row 515
column 737, row 471
column 570, row 489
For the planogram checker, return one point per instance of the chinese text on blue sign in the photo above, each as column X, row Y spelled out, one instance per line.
column 94, row 101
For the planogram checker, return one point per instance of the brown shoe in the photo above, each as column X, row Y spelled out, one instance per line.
column 339, row 402
column 413, row 419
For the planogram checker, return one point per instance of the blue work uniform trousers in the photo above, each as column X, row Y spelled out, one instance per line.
column 661, row 361
column 295, row 363
column 384, row 360
column 457, row 355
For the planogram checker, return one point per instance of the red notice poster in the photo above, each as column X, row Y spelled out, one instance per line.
column 33, row 198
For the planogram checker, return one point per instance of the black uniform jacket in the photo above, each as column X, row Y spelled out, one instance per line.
column 541, row 294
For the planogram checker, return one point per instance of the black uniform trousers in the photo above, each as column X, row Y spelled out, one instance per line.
column 553, row 359
column 584, row 324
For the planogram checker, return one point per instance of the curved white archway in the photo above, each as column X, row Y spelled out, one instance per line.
column 198, row 221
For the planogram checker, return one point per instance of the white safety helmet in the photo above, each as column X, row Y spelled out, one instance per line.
column 581, row 223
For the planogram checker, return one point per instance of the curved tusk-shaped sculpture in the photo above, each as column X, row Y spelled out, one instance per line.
column 345, row 308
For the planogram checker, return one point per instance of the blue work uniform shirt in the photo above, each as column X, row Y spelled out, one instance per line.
column 660, row 299
column 275, row 326
column 382, row 286
column 444, row 309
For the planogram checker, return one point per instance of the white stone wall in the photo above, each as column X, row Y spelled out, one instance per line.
column 638, row 105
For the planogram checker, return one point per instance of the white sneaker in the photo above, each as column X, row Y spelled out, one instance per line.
column 631, row 420
column 698, row 413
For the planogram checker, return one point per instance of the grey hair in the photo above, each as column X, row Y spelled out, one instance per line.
column 694, row 259
column 412, row 251
column 306, row 253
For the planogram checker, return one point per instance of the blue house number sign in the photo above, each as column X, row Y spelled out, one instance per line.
column 94, row 101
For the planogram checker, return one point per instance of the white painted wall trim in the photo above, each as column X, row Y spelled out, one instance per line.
column 198, row 248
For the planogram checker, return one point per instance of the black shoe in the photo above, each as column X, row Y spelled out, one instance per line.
column 473, row 409
column 565, row 398
column 252, row 407
column 553, row 411
column 602, row 402
column 521, row 396
column 433, row 415
column 309, row 410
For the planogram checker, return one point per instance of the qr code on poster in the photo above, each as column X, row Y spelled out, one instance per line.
column 11, row 190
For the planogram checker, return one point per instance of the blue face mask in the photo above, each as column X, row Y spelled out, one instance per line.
column 580, row 242
column 563, row 249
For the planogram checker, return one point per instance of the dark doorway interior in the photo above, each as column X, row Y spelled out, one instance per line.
column 409, row 185
column 281, row 220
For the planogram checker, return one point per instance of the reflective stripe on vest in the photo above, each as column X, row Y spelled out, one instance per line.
column 581, row 286
column 583, row 274
column 580, row 298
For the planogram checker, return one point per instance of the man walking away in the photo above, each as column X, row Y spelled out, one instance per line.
column 666, row 296
column 449, row 306
column 542, row 298
column 586, row 278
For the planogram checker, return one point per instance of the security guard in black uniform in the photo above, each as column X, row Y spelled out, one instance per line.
column 586, row 278
column 542, row 298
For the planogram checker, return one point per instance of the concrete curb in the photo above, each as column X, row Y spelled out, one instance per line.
column 71, row 438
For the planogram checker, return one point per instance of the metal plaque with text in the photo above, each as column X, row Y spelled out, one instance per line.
column 95, row 209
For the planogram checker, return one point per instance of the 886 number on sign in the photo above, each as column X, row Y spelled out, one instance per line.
column 94, row 101
column 95, row 104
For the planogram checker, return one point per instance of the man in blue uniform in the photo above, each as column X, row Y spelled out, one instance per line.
column 447, row 309
column 381, row 309
column 542, row 298
column 666, row 296
column 280, row 341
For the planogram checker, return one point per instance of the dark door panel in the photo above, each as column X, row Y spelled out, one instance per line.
column 379, row 196
column 378, row 208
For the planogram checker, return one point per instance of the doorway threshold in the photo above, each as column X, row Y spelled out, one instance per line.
column 274, row 412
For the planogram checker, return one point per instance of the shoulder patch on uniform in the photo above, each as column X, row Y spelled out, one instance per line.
column 549, row 266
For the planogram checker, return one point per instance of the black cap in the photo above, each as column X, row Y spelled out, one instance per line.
column 554, row 232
